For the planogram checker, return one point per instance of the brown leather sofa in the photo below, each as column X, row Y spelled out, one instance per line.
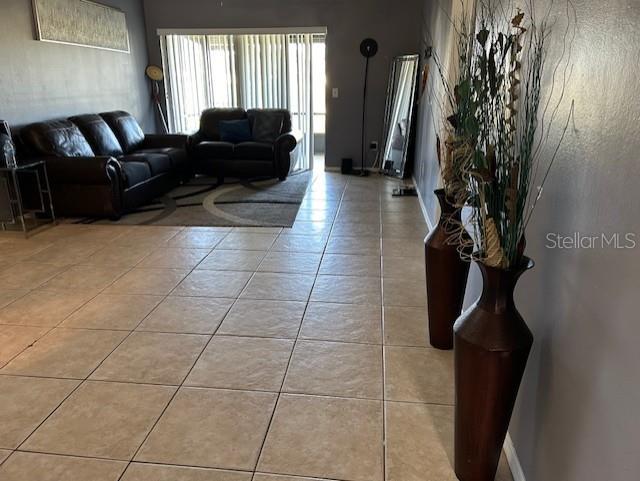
column 104, row 165
column 221, row 159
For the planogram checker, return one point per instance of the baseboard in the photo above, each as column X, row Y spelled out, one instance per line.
column 338, row 169
column 512, row 459
column 423, row 207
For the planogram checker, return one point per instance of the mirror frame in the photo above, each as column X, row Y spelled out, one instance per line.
column 391, row 89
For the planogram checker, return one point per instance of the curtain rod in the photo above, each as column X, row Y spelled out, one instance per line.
column 240, row 31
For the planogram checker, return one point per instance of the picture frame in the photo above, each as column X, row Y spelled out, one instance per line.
column 82, row 23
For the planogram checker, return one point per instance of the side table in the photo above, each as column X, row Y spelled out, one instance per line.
column 25, row 196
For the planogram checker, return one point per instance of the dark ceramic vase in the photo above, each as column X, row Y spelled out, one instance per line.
column 446, row 276
column 492, row 345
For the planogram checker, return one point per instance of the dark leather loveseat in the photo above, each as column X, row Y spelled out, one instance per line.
column 104, row 165
column 216, row 157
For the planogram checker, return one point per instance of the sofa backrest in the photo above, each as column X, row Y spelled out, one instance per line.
column 58, row 138
column 127, row 129
column 286, row 116
column 99, row 135
column 210, row 119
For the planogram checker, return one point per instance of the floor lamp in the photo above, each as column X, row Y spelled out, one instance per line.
column 156, row 75
column 368, row 48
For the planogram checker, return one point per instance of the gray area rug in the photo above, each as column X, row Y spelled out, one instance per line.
column 201, row 202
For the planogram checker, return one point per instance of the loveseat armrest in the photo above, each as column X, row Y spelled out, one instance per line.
column 161, row 141
column 288, row 142
column 82, row 170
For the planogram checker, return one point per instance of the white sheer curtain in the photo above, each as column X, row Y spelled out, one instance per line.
column 248, row 71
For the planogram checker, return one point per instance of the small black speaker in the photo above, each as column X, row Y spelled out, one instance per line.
column 347, row 166
column 369, row 47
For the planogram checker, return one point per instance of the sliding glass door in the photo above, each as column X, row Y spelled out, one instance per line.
column 248, row 71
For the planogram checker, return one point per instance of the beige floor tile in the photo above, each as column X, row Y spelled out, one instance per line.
column 67, row 252
column 242, row 363
column 406, row 326
column 15, row 339
column 301, row 227
column 257, row 230
column 299, row 243
column 152, row 358
column 46, row 467
column 28, row 275
column 65, row 353
column 264, row 319
column 86, row 277
column 44, row 308
column 148, row 281
column 350, row 265
column 199, row 237
column 326, row 438
column 148, row 235
column 348, row 229
column 419, row 374
column 367, row 246
column 419, row 442
column 335, row 369
column 347, row 290
column 291, row 262
column 342, row 322
column 7, row 296
column 277, row 477
column 156, row 472
column 113, row 311
column 174, row 258
column 228, row 260
column 393, row 247
column 213, row 284
column 406, row 231
column 189, row 315
column 25, row 402
column 358, row 217
column 316, row 215
column 211, row 428
column 247, row 241
column 116, row 255
column 404, row 268
column 4, row 454
column 103, row 420
column 280, row 287
column 404, row 292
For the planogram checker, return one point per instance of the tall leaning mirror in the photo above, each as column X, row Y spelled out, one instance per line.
column 399, row 115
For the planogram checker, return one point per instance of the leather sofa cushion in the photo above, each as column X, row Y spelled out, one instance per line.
column 178, row 156
column 126, row 128
column 286, row 117
column 57, row 138
column 253, row 151
column 158, row 163
column 214, row 150
column 135, row 173
column 101, row 138
column 210, row 120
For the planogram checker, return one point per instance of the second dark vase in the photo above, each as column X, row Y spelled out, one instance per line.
column 492, row 344
column 446, row 276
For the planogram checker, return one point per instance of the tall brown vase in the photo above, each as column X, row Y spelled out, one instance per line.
column 492, row 345
column 446, row 277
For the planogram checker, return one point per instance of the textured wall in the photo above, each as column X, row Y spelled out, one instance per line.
column 577, row 414
column 395, row 25
column 41, row 80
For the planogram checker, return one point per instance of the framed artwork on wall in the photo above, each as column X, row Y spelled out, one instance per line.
column 81, row 22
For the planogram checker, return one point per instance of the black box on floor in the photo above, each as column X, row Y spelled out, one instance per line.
column 347, row 166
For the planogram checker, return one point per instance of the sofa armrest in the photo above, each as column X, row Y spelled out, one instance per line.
column 82, row 170
column 161, row 141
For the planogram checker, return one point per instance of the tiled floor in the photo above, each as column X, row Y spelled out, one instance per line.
column 218, row 354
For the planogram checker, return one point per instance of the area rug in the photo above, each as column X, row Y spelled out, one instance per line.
column 242, row 203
